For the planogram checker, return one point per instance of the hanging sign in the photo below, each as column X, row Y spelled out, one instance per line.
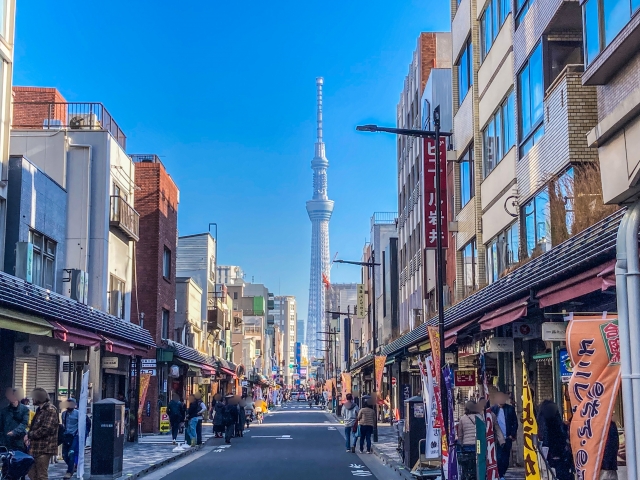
column 465, row 378
column 432, row 444
column 430, row 204
column 554, row 331
column 361, row 307
column 378, row 364
column 530, row 430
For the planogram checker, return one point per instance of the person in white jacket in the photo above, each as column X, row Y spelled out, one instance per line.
column 349, row 415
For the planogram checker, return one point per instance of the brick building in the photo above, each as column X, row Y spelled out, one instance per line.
column 155, row 290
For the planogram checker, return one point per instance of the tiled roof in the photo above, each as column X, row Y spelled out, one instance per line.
column 18, row 294
column 190, row 354
column 593, row 246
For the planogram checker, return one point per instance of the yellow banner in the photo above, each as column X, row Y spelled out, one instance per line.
column 378, row 366
column 434, row 339
column 346, row 386
column 593, row 345
column 530, row 429
column 328, row 387
column 165, row 425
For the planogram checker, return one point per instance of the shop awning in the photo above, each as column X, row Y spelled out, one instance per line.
column 504, row 315
column 207, row 370
column 451, row 336
column 597, row 278
column 75, row 335
column 23, row 322
column 192, row 366
column 119, row 347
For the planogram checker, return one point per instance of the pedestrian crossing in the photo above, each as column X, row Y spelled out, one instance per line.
column 166, row 439
column 302, row 406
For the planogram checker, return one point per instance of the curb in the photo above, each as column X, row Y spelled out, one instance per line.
column 163, row 463
column 400, row 469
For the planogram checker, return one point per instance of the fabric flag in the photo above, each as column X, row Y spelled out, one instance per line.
column 378, row 365
column 530, row 429
column 594, row 347
column 452, row 464
column 492, row 458
column 439, row 421
column 346, row 386
column 432, row 443
column 82, row 426
column 434, row 340
column 145, row 378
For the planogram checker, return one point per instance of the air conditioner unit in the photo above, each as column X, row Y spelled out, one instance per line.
column 81, row 121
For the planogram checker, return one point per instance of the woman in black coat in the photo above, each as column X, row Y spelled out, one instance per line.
column 218, row 420
column 552, row 433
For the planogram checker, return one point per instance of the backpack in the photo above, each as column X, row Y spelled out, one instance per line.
column 174, row 410
column 227, row 416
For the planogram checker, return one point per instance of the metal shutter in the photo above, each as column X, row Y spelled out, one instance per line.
column 47, row 376
column 20, row 375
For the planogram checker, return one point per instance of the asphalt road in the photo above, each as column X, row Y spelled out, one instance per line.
column 293, row 443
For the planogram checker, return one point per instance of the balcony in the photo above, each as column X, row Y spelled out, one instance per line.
column 124, row 217
column 215, row 312
column 66, row 115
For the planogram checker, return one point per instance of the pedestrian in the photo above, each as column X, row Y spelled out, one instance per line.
column 230, row 418
column 14, row 419
column 217, row 410
column 249, row 410
column 176, row 412
column 42, row 438
column 242, row 415
column 190, row 434
column 202, row 407
column 609, row 467
column 366, row 419
column 553, row 434
column 467, row 441
column 350, row 416
column 70, row 436
column 507, row 420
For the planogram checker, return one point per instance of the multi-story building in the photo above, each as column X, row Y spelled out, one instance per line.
column 285, row 315
column 188, row 317
column 341, row 300
column 230, row 274
column 301, row 330
column 154, row 293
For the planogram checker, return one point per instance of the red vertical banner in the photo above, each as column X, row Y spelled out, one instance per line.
column 429, row 202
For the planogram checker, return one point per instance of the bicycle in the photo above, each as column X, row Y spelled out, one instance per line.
column 399, row 425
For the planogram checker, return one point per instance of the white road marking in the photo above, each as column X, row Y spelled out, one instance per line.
column 361, row 473
column 355, row 465
column 331, row 428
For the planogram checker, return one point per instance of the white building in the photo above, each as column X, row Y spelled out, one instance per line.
column 285, row 315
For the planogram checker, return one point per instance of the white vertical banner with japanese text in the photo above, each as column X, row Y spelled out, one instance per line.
column 82, row 424
column 432, row 446
column 430, row 193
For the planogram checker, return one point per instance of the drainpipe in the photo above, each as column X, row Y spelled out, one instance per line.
column 626, row 265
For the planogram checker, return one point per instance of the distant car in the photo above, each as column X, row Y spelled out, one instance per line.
column 294, row 396
column 302, row 397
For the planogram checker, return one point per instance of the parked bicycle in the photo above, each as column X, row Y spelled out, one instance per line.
column 14, row 464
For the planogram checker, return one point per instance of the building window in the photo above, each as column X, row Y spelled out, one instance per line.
column 499, row 135
column 470, row 267
column 235, row 295
column 530, row 101
column 502, row 252
column 44, row 260
column 165, row 323
column 603, row 20
column 166, row 264
column 522, row 7
column 465, row 72
column 115, row 296
column 535, row 215
column 491, row 21
column 467, row 188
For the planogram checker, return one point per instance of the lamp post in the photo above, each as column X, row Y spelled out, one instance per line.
column 440, row 266
column 374, row 326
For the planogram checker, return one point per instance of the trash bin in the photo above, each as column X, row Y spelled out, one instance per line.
column 414, row 429
column 108, row 439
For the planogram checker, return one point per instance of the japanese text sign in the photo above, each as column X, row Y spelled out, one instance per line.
column 594, row 348
column 361, row 309
column 530, row 429
column 430, row 195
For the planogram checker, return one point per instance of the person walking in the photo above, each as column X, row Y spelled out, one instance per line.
column 190, row 434
column 609, row 466
column 552, row 433
column 70, row 419
column 14, row 419
column 176, row 412
column 366, row 419
column 230, row 417
column 42, row 438
column 467, row 441
column 218, row 418
column 249, row 410
column 350, row 416
column 242, row 415
column 202, row 407
column 507, row 420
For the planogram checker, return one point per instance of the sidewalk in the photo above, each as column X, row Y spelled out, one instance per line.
column 153, row 452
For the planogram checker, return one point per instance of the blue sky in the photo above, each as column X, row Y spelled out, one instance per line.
column 224, row 93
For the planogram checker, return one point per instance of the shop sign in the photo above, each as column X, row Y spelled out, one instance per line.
column 430, row 170
column 526, row 330
column 466, row 350
column 450, row 357
column 406, row 391
column 148, row 363
column 361, row 310
column 566, row 369
column 465, row 378
column 554, row 331
column 205, row 381
column 174, row 371
column 148, row 371
column 109, row 362
column 499, row 344
column 147, row 408
column 418, row 410
column 165, row 425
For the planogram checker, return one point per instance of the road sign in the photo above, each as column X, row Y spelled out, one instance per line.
column 394, row 381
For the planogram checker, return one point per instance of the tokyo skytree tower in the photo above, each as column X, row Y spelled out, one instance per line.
column 319, row 209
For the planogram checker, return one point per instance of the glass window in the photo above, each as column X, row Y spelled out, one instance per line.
column 502, row 252
column 469, row 265
column 165, row 323
column 166, row 263
column 591, row 30
column 491, row 21
column 635, row 4
column 509, row 122
column 522, row 7
column 466, row 177
column 3, row 17
column 536, row 223
column 498, row 136
column 531, row 96
column 44, row 258
column 115, row 296
column 616, row 15
column 505, row 9
column 490, row 159
column 465, row 72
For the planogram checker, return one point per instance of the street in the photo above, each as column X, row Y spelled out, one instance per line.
column 293, row 442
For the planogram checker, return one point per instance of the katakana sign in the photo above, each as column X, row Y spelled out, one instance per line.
column 430, row 203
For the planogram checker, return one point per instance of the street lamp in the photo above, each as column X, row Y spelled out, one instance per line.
column 374, row 327
column 440, row 266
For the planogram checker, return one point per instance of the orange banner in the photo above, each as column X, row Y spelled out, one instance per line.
column 145, row 378
column 594, row 348
column 328, row 387
column 346, row 386
column 378, row 366
column 434, row 340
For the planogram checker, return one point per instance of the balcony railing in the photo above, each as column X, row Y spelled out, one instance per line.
column 71, row 115
column 252, row 330
column 384, row 218
column 124, row 217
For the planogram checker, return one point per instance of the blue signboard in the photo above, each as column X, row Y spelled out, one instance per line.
column 566, row 369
